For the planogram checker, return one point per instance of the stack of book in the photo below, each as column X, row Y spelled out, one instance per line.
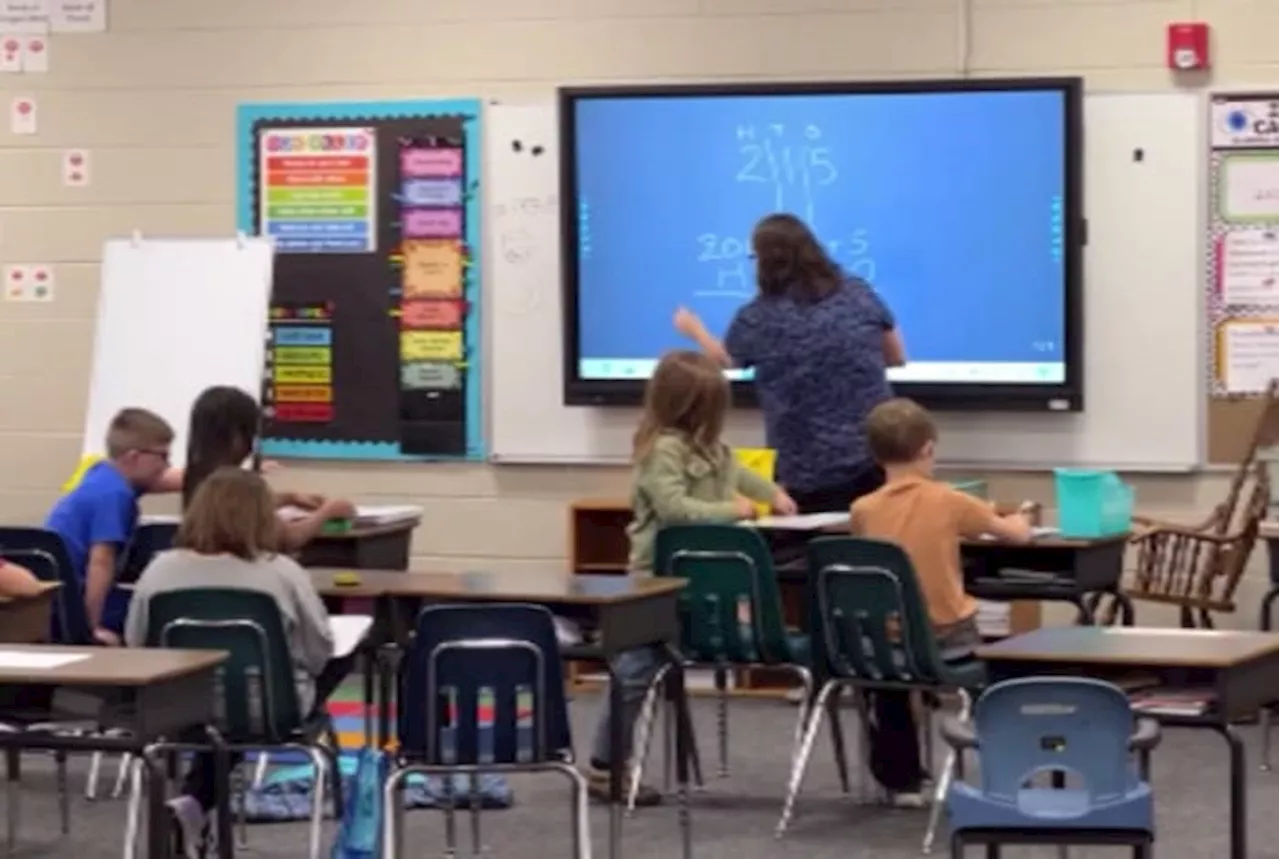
column 1173, row 702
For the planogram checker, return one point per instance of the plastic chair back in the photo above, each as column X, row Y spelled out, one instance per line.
column 43, row 552
column 871, row 623
column 481, row 685
column 258, row 700
column 731, row 610
column 1072, row 725
column 148, row 540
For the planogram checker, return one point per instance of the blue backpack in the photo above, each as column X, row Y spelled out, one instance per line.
column 360, row 836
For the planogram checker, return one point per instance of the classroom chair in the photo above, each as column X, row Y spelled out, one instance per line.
column 1066, row 728
column 481, row 691
column 870, row 632
column 731, row 619
column 45, row 555
column 149, row 539
column 259, row 709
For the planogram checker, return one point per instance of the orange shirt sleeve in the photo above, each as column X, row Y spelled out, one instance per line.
column 971, row 515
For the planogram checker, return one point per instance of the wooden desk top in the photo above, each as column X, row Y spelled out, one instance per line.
column 1269, row 530
column 563, row 588
column 110, row 666
column 1137, row 646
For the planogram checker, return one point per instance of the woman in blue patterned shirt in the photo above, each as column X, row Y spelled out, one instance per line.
column 819, row 341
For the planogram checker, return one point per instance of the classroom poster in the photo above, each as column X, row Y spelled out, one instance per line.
column 1242, row 299
column 374, row 349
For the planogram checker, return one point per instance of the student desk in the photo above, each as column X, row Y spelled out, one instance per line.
column 1240, row 668
column 628, row 612
column 152, row 694
column 26, row 619
column 371, row 547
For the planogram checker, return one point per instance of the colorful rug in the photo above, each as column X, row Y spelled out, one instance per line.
column 285, row 794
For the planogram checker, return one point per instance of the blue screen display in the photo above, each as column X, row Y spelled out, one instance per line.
column 949, row 203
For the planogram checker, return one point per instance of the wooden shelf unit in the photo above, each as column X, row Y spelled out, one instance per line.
column 598, row 544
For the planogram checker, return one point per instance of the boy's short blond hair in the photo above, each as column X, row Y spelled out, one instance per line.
column 898, row 431
column 137, row 429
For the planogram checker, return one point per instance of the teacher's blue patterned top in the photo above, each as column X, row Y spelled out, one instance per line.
column 819, row 369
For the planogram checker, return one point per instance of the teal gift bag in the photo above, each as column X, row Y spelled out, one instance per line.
column 360, row 836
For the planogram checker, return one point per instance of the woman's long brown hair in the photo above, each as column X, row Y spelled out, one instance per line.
column 233, row 512
column 687, row 394
column 790, row 261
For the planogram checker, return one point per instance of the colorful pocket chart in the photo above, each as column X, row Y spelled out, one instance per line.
column 299, row 373
column 318, row 189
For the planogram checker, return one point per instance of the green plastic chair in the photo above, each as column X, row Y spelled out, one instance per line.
column 861, row 590
column 259, row 708
column 731, row 618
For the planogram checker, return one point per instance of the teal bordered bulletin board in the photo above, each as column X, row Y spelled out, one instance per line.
column 375, row 320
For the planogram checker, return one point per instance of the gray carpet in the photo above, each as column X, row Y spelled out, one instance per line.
column 733, row 818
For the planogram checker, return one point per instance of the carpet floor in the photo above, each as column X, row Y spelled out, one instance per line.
column 733, row 818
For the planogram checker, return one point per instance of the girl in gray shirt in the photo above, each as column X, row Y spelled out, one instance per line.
column 228, row 539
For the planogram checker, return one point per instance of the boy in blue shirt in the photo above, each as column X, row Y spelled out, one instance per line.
column 97, row 517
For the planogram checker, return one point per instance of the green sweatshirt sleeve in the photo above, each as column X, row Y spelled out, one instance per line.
column 662, row 479
column 753, row 485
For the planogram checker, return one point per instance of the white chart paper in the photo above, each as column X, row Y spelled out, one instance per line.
column 1250, row 262
column 1249, row 352
column 1250, row 188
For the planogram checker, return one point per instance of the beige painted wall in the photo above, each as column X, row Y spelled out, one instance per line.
column 154, row 98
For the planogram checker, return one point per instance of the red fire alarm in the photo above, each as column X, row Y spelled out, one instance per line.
column 1188, row 46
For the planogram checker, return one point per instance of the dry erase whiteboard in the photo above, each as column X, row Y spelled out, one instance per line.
column 174, row 317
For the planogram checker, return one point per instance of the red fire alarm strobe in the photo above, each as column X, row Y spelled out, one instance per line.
column 1188, row 46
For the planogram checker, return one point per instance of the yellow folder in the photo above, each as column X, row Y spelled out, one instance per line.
column 759, row 460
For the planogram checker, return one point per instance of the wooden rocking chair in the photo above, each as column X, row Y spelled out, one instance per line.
column 1198, row 568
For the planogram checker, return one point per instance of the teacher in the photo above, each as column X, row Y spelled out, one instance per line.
column 819, row 341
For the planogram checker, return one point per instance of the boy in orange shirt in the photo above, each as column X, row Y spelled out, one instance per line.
column 928, row 519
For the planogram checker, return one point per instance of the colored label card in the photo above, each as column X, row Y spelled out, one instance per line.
column 302, row 355
column 421, row 162
column 432, row 269
column 428, row 376
column 431, row 314
column 318, row 189
column 298, row 335
column 1250, row 191
column 286, row 374
column 303, row 394
column 430, row 345
column 431, row 223
column 303, row 413
column 431, row 192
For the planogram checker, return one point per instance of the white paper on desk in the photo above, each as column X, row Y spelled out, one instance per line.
column 805, row 522
column 348, row 631
column 35, row 660
column 370, row 515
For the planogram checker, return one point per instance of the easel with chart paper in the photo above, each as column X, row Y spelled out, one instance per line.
column 1243, row 283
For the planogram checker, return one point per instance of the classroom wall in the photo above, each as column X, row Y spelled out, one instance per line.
column 153, row 101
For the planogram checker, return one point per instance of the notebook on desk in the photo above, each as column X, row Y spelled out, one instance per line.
column 805, row 522
column 366, row 515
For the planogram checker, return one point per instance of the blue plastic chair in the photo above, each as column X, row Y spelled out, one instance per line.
column 481, row 691
column 43, row 552
column 1068, row 728
column 149, row 539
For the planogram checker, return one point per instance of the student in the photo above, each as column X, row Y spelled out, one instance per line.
column 928, row 519
column 683, row 473
column 222, row 431
column 228, row 538
column 97, row 517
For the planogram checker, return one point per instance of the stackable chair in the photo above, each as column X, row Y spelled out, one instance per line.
column 259, row 710
column 1063, row 728
column 481, row 691
column 871, row 632
column 731, row 619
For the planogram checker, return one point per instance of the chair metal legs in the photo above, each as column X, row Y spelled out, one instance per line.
column 134, row 811
column 1269, row 717
column 801, row 762
column 393, row 817
column 321, row 763
column 722, row 718
column 943, row 785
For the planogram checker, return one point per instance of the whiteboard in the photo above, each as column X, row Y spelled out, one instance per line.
column 176, row 316
column 1142, row 331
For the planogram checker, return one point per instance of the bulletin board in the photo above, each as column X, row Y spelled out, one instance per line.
column 374, row 339
column 1242, row 297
